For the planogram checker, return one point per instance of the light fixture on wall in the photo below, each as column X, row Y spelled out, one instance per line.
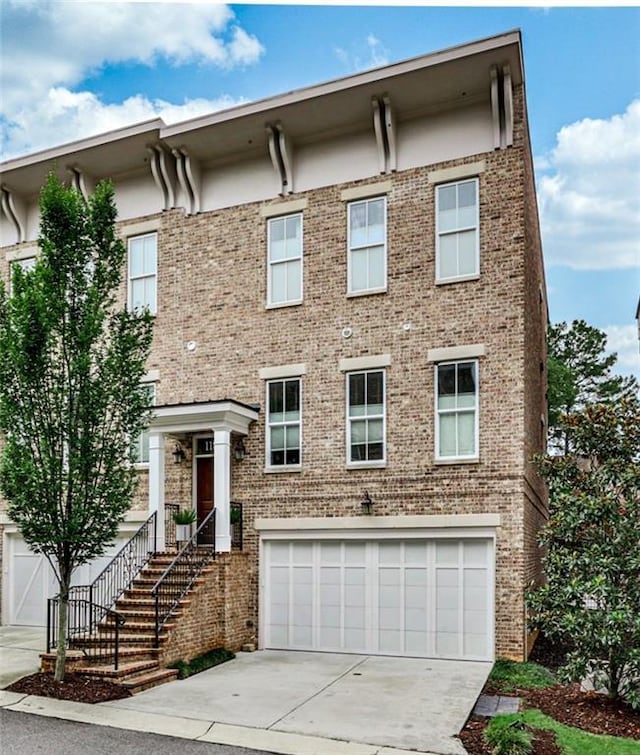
column 239, row 451
column 178, row 454
column 366, row 502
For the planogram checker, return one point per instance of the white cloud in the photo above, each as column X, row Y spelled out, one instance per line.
column 371, row 54
column 589, row 193
column 49, row 47
column 623, row 339
column 64, row 116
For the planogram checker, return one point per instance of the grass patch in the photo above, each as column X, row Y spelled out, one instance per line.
column 202, row 662
column 574, row 741
column 508, row 676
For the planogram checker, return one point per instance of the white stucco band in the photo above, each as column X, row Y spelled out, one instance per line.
column 283, row 208
column 24, row 253
column 456, row 172
column 368, row 190
column 415, row 522
column 364, row 363
column 450, row 353
column 282, row 371
column 137, row 229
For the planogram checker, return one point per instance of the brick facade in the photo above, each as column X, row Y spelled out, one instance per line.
column 212, row 291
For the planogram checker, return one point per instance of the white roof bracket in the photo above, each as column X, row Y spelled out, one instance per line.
column 379, row 132
column 14, row 209
column 495, row 107
column 390, row 133
column 81, row 181
column 507, row 89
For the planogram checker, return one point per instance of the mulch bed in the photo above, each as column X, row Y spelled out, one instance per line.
column 76, row 687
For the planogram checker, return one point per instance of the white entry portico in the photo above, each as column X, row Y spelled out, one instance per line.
column 221, row 418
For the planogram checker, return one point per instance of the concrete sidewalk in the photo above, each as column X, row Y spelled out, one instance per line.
column 20, row 649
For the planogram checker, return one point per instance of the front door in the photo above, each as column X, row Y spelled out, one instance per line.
column 204, row 495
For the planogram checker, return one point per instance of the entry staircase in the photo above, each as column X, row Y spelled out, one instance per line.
column 121, row 621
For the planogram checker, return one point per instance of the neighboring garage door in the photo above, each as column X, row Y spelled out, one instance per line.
column 30, row 581
column 425, row 598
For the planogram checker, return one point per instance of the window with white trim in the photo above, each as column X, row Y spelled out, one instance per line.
column 365, row 417
column 457, row 224
column 284, row 420
column 457, row 410
column 284, row 284
column 143, row 271
column 367, row 241
column 26, row 263
column 141, row 445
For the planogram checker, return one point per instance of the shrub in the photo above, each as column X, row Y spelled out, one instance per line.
column 508, row 736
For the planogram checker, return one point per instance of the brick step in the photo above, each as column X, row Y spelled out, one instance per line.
column 140, row 615
column 127, row 653
column 125, row 638
column 147, row 680
column 124, row 669
column 135, row 629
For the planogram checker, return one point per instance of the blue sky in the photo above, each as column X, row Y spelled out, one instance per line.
column 71, row 69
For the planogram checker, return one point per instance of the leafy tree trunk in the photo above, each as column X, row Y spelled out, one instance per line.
column 63, row 615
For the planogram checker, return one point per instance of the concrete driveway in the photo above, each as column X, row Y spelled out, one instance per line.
column 406, row 703
column 20, row 649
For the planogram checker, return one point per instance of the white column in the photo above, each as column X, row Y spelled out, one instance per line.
column 156, row 484
column 222, row 488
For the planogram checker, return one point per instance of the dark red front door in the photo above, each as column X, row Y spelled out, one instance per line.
column 204, row 492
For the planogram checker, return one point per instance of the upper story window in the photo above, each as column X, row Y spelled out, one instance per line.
column 26, row 263
column 143, row 271
column 284, row 285
column 367, row 240
column 457, row 224
column 365, row 417
column 284, row 423
column 457, row 410
column 141, row 444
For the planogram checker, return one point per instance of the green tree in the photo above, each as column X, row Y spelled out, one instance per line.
column 71, row 363
column 592, row 548
column 579, row 373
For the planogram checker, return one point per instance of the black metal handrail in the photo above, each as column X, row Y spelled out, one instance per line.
column 90, row 625
column 181, row 573
column 170, row 540
column 84, row 617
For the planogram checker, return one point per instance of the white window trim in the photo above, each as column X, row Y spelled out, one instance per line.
column 470, row 276
column 268, row 467
column 154, row 309
column 289, row 302
column 149, row 380
column 350, row 249
column 469, row 458
column 369, row 464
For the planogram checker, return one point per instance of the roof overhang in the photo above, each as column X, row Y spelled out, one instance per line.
column 441, row 80
column 205, row 416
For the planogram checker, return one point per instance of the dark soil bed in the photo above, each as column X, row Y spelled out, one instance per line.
column 77, row 687
column 544, row 742
column 589, row 711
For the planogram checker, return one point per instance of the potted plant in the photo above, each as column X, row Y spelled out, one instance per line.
column 184, row 519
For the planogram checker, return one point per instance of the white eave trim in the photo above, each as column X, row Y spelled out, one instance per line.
column 191, row 418
column 292, row 525
column 453, row 353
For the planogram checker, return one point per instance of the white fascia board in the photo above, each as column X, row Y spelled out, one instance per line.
column 345, row 83
column 48, row 155
column 349, row 524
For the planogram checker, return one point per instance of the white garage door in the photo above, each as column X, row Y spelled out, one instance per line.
column 426, row 598
column 30, row 581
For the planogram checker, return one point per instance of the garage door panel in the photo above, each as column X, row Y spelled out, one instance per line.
column 398, row 597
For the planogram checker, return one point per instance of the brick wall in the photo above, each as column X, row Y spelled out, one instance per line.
column 212, row 290
column 216, row 613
